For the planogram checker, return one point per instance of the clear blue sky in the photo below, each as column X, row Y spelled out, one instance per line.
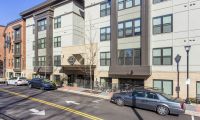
column 10, row 9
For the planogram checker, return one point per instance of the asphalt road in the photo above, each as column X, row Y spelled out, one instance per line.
column 22, row 103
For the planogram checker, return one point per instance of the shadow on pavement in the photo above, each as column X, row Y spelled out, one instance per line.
column 6, row 117
column 137, row 114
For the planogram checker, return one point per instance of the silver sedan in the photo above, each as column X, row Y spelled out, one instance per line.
column 147, row 99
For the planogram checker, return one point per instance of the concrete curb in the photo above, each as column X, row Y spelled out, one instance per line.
column 192, row 113
column 86, row 94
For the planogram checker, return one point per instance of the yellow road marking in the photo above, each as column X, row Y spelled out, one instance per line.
column 55, row 105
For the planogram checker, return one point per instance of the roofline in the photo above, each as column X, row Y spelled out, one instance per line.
column 37, row 7
column 43, row 5
column 14, row 21
column 2, row 26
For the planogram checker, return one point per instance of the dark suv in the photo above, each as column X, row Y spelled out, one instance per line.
column 149, row 99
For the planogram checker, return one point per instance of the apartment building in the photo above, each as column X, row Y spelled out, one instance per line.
column 51, row 26
column 138, row 41
column 123, row 42
column 1, row 49
column 14, row 49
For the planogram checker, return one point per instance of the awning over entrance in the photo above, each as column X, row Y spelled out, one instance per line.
column 77, row 68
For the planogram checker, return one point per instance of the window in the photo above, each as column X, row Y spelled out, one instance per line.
column 34, row 64
column 166, row 86
column 129, row 28
column 33, row 29
column 33, row 45
column 129, row 57
column 105, row 58
column 42, row 25
column 105, row 9
column 17, row 49
column 121, row 30
column 151, row 95
column 41, row 43
column 106, row 82
column 162, row 56
column 41, row 60
column 162, row 24
column 105, row 34
column 125, row 57
column 17, row 33
column 57, row 41
column 17, row 62
column 57, row 60
column 158, row 1
column 198, row 89
column 139, row 94
column 137, row 27
column 57, row 22
column 123, row 4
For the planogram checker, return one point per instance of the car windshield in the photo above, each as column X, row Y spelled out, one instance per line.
column 46, row 81
column 23, row 78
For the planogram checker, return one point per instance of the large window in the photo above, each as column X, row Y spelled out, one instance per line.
column 105, row 9
column 57, row 22
column 41, row 60
column 123, row 4
column 17, row 33
column 17, row 48
column 57, row 60
column 105, row 34
column 41, row 43
column 129, row 28
column 162, row 24
column 198, row 88
column 105, row 58
column 57, row 41
column 42, row 25
column 129, row 57
column 166, row 86
column 106, row 82
column 162, row 56
column 158, row 1
column 17, row 62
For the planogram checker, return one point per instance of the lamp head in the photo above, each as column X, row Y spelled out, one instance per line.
column 187, row 48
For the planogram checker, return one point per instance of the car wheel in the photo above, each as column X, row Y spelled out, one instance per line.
column 30, row 86
column 119, row 101
column 162, row 110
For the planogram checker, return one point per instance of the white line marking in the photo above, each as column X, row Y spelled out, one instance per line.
column 37, row 112
column 192, row 117
column 72, row 102
column 97, row 101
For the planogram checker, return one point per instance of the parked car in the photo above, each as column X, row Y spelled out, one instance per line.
column 157, row 101
column 17, row 81
column 2, row 81
column 43, row 84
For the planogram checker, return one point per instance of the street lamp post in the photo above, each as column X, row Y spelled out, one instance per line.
column 187, row 49
column 177, row 59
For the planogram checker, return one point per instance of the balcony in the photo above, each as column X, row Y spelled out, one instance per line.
column 17, row 39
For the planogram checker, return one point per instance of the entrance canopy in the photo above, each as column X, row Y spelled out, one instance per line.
column 77, row 68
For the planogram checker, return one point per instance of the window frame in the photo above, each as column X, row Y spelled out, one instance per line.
column 41, row 45
column 123, row 2
column 106, row 59
column 42, row 24
column 57, row 24
column 105, row 10
column 42, row 62
column 106, row 34
column 57, row 42
column 161, row 25
column 56, row 60
column 162, row 57
column 163, row 80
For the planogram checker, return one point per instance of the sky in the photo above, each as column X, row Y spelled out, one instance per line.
column 10, row 9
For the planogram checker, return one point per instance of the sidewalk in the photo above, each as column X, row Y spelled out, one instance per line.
column 86, row 92
column 191, row 109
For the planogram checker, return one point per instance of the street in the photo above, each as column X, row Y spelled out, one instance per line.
column 22, row 103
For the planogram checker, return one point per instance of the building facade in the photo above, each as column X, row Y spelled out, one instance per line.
column 1, row 49
column 15, row 49
column 124, row 42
